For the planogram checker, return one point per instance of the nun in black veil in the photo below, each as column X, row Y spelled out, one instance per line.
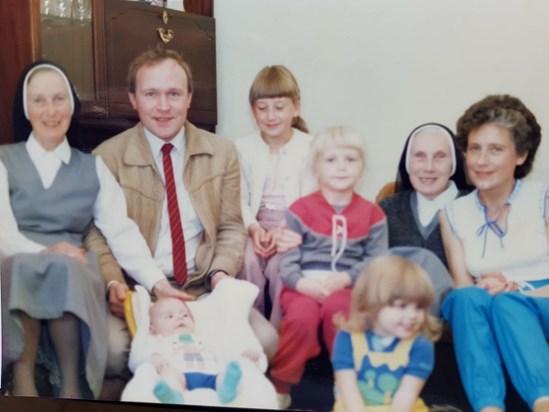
column 430, row 174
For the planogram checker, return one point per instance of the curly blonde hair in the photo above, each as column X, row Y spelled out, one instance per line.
column 384, row 280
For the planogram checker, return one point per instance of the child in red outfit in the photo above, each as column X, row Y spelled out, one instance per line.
column 340, row 232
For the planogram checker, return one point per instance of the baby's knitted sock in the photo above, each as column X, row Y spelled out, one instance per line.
column 227, row 390
column 166, row 394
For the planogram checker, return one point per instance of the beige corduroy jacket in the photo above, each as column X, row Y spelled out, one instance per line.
column 212, row 178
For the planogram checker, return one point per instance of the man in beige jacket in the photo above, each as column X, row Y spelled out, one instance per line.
column 160, row 89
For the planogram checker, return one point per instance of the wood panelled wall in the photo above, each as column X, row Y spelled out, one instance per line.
column 204, row 7
column 20, row 34
column 19, row 45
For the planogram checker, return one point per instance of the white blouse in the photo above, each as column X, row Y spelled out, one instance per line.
column 519, row 250
column 109, row 214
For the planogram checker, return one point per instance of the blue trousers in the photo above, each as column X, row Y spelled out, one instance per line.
column 508, row 329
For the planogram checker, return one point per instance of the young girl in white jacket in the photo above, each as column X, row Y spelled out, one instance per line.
column 273, row 174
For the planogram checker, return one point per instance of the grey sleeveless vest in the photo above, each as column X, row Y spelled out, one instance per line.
column 62, row 212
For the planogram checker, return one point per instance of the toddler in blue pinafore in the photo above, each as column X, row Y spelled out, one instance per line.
column 384, row 352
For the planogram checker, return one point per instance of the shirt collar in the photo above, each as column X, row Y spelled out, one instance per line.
column 427, row 208
column 442, row 199
column 512, row 196
column 36, row 151
column 156, row 143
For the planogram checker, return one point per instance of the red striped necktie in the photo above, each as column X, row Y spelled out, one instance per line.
column 176, row 230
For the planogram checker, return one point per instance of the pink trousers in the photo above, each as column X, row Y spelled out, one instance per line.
column 299, row 337
column 258, row 270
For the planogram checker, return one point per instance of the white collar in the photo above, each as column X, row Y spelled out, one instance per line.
column 427, row 208
column 156, row 143
column 36, row 151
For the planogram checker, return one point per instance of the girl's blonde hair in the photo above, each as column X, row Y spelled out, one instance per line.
column 277, row 81
column 384, row 280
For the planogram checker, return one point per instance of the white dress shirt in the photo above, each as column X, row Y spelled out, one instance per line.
column 192, row 227
column 109, row 214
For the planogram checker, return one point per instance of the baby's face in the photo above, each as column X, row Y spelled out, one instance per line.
column 169, row 316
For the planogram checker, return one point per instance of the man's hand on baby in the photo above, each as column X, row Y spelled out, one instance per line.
column 163, row 289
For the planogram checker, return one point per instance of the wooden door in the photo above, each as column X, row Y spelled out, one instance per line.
column 131, row 28
column 20, row 34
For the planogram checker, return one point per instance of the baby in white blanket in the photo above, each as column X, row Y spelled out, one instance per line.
column 181, row 359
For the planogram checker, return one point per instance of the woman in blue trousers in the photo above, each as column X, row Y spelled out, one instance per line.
column 496, row 242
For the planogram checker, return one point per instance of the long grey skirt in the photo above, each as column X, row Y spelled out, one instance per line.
column 45, row 286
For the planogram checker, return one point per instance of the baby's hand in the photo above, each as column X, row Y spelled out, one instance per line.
column 252, row 354
column 159, row 362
